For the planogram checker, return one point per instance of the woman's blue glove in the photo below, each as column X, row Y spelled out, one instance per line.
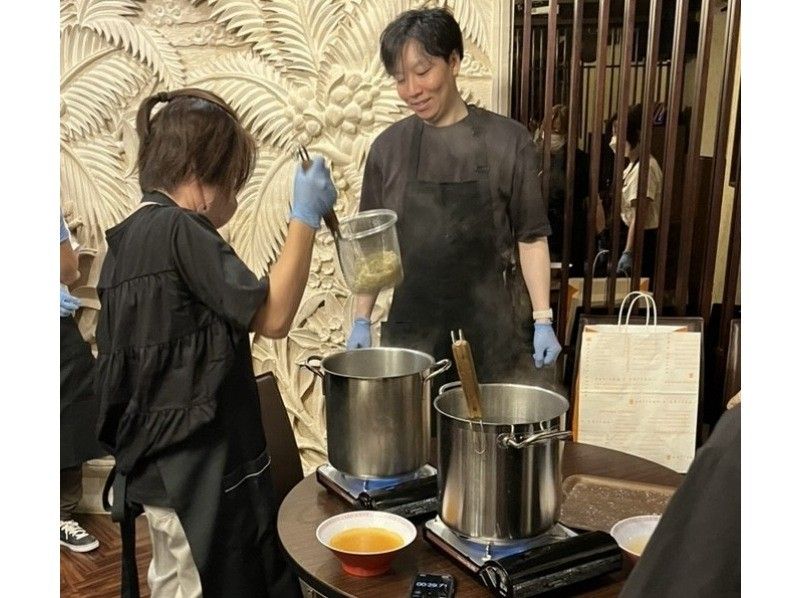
column 625, row 263
column 314, row 194
column 545, row 345
column 360, row 335
column 69, row 304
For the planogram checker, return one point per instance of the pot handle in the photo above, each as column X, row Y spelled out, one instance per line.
column 450, row 385
column 436, row 369
column 314, row 368
column 506, row 440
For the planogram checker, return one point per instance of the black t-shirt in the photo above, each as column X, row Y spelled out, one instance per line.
column 448, row 155
column 173, row 346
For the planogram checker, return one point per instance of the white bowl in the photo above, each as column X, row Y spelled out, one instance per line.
column 366, row 564
column 633, row 533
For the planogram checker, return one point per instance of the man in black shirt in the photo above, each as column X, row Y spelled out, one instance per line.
column 463, row 182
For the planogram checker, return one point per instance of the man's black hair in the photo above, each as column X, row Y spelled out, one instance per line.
column 434, row 28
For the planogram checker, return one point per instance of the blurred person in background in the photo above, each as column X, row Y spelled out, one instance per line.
column 556, row 200
column 79, row 406
column 651, row 210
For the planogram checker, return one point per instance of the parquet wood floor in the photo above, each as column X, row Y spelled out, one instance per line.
column 96, row 574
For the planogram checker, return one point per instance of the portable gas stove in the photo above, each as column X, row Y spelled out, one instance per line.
column 409, row 495
column 472, row 555
column 518, row 569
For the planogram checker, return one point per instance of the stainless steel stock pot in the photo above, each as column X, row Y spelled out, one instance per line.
column 378, row 409
column 500, row 479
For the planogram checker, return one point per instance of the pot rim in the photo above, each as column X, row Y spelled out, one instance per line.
column 501, row 424
column 327, row 370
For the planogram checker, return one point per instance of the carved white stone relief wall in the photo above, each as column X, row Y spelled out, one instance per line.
column 296, row 71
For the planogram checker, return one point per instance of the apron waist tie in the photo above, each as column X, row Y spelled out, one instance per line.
column 124, row 514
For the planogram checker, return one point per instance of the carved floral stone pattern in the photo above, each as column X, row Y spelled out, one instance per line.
column 296, row 71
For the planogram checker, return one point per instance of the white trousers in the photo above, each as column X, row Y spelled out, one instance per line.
column 172, row 572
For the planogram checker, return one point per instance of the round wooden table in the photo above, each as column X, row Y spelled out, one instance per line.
column 309, row 504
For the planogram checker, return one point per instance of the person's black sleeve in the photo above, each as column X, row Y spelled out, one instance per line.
column 527, row 209
column 213, row 271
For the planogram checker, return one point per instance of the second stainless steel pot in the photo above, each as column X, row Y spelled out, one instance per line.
column 377, row 405
column 500, row 479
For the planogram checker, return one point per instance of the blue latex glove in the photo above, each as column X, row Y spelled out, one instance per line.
column 360, row 335
column 545, row 345
column 69, row 304
column 625, row 263
column 314, row 194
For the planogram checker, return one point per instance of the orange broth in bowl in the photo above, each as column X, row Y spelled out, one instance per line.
column 366, row 539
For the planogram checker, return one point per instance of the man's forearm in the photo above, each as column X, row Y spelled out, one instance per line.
column 534, row 260
column 364, row 305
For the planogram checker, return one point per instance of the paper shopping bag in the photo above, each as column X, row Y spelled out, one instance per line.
column 637, row 388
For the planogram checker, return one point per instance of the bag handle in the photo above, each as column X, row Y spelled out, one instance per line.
column 634, row 297
column 597, row 257
column 650, row 301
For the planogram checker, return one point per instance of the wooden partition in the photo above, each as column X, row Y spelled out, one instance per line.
column 599, row 58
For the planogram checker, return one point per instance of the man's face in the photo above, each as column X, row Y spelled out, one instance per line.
column 427, row 84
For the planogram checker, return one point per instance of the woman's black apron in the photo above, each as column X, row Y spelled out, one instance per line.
column 454, row 273
column 79, row 406
column 226, row 501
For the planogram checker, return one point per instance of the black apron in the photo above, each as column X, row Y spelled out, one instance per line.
column 224, row 500
column 454, row 274
column 79, row 406
column 230, row 519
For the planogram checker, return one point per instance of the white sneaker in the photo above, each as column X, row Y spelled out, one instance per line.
column 77, row 539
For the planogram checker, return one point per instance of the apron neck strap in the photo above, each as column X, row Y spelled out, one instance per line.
column 416, row 140
column 157, row 197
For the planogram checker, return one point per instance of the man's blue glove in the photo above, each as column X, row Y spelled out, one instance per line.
column 625, row 263
column 314, row 194
column 69, row 304
column 360, row 335
column 545, row 345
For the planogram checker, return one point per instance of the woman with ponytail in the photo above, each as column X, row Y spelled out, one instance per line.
column 179, row 403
